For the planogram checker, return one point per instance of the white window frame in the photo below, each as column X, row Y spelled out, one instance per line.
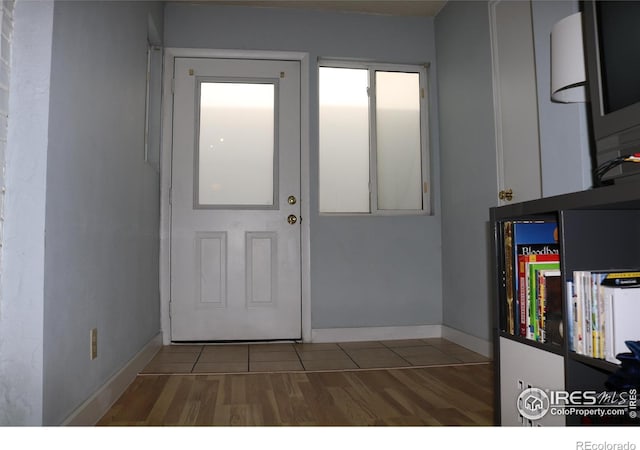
column 424, row 134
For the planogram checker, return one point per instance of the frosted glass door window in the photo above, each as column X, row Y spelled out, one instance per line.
column 398, row 141
column 344, row 140
column 236, row 148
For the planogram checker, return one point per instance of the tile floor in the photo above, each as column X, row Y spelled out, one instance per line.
column 271, row 357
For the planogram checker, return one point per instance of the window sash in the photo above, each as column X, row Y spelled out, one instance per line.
column 372, row 68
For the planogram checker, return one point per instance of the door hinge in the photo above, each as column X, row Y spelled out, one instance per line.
column 281, row 74
column 506, row 195
column 421, row 92
column 425, row 187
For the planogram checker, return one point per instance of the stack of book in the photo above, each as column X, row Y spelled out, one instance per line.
column 603, row 308
column 532, row 281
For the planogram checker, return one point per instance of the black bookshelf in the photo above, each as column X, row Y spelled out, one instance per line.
column 598, row 231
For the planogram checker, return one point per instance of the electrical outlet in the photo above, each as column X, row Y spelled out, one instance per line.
column 93, row 335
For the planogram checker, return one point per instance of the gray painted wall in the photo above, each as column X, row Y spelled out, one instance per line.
column 468, row 152
column 102, row 215
column 365, row 271
column 6, row 34
column 468, row 162
column 564, row 139
column 22, row 299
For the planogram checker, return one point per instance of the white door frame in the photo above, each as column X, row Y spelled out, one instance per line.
column 165, row 173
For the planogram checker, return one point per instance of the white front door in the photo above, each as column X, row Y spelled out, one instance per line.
column 235, row 234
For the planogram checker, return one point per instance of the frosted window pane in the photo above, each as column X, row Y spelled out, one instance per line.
column 236, row 146
column 398, row 140
column 344, row 140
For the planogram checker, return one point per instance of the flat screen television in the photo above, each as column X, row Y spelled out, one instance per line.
column 611, row 31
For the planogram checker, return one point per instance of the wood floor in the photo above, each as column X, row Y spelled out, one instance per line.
column 446, row 395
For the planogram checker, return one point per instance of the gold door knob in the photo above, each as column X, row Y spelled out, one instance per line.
column 506, row 195
column 291, row 200
column 292, row 219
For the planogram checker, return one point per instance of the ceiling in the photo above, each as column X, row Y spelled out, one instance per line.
column 424, row 8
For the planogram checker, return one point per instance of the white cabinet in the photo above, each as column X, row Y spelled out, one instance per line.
column 521, row 367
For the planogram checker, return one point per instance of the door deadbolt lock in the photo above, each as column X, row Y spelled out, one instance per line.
column 291, row 200
column 292, row 219
column 506, row 195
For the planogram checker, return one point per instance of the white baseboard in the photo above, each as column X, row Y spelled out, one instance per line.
column 99, row 403
column 375, row 333
column 466, row 340
column 408, row 332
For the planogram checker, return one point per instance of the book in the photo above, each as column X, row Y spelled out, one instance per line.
column 622, row 308
column 570, row 296
column 584, row 291
column 510, row 313
column 550, row 292
column 527, row 238
column 524, row 290
column 579, row 314
column 534, row 311
column 593, row 330
column 587, row 335
column 543, row 298
column 595, row 315
column 620, row 279
column 598, row 315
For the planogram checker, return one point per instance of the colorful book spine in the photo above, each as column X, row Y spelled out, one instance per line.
column 534, row 318
column 592, row 326
column 528, row 237
column 570, row 308
column 527, row 293
column 511, row 310
column 579, row 329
